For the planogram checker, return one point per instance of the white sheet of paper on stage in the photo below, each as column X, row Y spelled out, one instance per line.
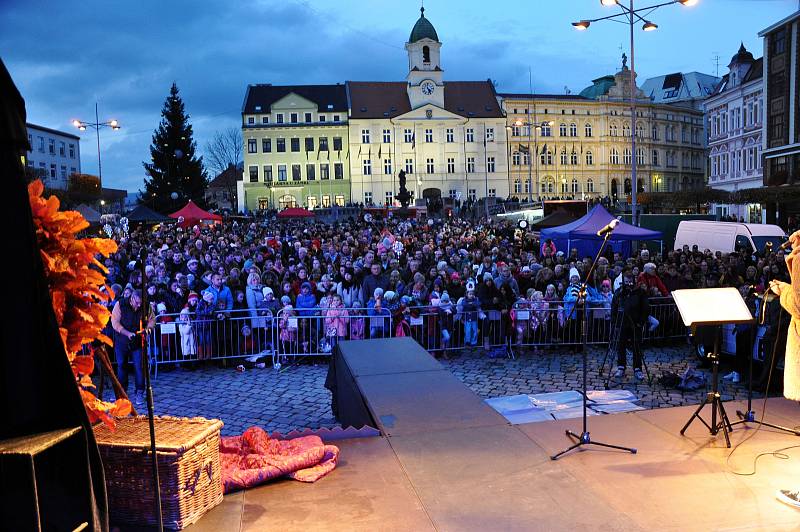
column 711, row 306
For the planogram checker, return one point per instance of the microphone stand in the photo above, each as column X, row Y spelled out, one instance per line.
column 149, row 390
column 583, row 438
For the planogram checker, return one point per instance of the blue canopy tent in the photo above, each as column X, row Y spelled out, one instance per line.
column 582, row 234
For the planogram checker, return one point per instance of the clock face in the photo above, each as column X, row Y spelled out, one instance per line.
column 428, row 88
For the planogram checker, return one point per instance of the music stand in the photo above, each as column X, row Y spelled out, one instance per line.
column 712, row 307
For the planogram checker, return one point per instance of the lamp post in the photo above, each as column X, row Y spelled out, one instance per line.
column 97, row 125
column 533, row 127
column 632, row 16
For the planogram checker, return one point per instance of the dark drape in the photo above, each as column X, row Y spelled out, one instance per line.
column 37, row 391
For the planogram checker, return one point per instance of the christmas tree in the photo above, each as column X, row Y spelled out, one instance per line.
column 176, row 173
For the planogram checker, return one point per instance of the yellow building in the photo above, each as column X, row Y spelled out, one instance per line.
column 295, row 147
column 582, row 143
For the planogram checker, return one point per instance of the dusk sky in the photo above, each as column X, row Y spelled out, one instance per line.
column 66, row 55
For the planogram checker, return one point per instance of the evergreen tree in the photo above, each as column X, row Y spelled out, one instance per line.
column 176, row 173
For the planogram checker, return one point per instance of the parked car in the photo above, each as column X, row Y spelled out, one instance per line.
column 728, row 237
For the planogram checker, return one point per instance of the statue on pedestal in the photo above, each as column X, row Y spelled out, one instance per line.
column 403, row 196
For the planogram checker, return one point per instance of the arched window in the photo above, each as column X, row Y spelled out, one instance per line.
column 426, row 54
column 655, row 132
column 573, row 130
column 628, row 186
column 587, row 130
column 573, row 158
column 547, row 158
column 640, row 158
column 575, row 186
column 564, row 186
column 614, row 188
column 589, row 158
column 517, row 186
column 685, row 183
column 546, row 132
column 564, row 156
column 562, row 130
column 626, row 130
column 515, row 158
column 614, row 159
column 526, row 158
column 613, row 130
column 548, row 185
column 527, row 186
column 639, row 131
column 626, row 156
column 589, row 185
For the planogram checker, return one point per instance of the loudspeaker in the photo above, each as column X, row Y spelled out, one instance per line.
column 38, row 478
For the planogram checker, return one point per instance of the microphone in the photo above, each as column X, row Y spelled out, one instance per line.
column 609, row 227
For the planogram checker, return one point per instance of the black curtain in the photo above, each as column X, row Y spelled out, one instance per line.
column 37, row 390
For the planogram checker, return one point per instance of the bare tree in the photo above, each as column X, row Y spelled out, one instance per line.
column 223, row 150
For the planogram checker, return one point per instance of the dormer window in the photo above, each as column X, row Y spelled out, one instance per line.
column 426, row 54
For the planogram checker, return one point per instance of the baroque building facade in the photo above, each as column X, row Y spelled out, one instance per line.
column 734, row 112
column 579, row 146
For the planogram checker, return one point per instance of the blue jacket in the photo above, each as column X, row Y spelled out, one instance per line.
column 224, row 295
column 306, row 305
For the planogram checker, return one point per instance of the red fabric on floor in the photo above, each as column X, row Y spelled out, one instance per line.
column 254, row 458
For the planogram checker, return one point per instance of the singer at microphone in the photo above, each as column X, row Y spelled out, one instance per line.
column 609, row 227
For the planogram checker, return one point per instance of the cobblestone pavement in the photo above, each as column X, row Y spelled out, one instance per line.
column 296, row 398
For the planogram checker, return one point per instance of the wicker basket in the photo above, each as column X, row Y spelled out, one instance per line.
column 188, row 468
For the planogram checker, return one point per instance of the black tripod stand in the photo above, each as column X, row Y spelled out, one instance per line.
column 583, row 438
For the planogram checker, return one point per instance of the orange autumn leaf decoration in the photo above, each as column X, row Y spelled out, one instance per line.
column 75, row 277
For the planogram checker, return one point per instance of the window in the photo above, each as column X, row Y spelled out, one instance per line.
column 368, row 198
column 449, row 134
column 614, row 158
column 253, row 174
column 268, row 173
column 367, row 167
column 428, row 135
column 252, row 147
column 389, row 197
column 626, row 156
column 515, row 158
column 778, row 42
column 265, row 120
column 492, row 192
column 639, row 131
column 655, row 158
column 452, row 193
column 72, row 169
column 517, row 186
column 470, row 135
column 309, row 143
column 562, row 130
column 426, row 54
column 63, row 171
column 337, row 118
column 654, row 132
column 490, row 165
column 279, row 118
column 337, row 143
column 547, row 157
column 251, row 120
column 311, row 172
column 429, row 166
column 387, row 166
column 51, row 147
column 281, row 172
column 515, row 131
column 365, row 136
column 589, row 185
column 563, row 186
column 489, row 134
column 324, row 171
column 563, row 156
column 587, row 130
column 546, row 131
column 322, row 118
column 280, row 145
column 71, row 151
column 640, row 158
column 295, row 144
column 409, row 166
column 307, row 117
column 266, row 145
column 470, row 165
column 296, row 172
column 626, row 130
column 62, row 149
column 573, row 158
column 573, row 130
column 311, row 202
column 41, row 144
column 473, row 194
column 339, row 200
column 575, row 186
column 408, row 136
column 451, row 165
column 589, row 158
column 293, row 118
column 387, row 136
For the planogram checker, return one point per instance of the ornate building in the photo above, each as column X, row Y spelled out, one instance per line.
column 734, row 113
column 448, row 136
column 582, row 143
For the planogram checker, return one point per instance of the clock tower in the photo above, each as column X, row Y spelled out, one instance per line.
column 424, row 78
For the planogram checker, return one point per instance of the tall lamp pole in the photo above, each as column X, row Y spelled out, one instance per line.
column 97, row 125
column 631, row 17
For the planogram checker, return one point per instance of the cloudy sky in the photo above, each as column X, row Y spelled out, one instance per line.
column 66, row 55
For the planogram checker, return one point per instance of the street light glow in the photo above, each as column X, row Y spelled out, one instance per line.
column 688, row 3
column 518, row 123
column 76, row 123
column 649, row 26
column 608, row 3
column 581, row 25
column 113, row 123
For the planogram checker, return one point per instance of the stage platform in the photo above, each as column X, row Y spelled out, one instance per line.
column 501, row 477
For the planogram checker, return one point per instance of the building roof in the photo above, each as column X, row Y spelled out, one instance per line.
column 227, row 178
column 599, row 87
column 52, row 131
column 680, row 86
column 423, row 29
column 742, row 56
column 388, row 99
column 327, row 97
column 754, row 73
column 780, row 23
column 526, row 96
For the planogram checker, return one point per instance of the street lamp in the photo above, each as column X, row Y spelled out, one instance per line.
column 632, row 16
column 535, row 127
column 97, row 125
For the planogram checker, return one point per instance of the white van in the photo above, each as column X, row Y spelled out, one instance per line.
column 728, row 236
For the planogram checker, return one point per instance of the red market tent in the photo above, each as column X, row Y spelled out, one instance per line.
column 194, row 215
column 295, row 212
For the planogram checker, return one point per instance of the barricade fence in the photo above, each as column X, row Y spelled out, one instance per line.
column 289, row 333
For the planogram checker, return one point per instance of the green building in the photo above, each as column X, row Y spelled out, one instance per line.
column 295, row 147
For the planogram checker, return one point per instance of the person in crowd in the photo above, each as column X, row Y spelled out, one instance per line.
column 631, row 305
column 126, row 320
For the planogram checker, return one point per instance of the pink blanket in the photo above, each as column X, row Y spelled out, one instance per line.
column 254, row 458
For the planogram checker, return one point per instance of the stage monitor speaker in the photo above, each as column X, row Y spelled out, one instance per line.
column 37, row 482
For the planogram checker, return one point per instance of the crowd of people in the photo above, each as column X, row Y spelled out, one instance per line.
column 483, row 281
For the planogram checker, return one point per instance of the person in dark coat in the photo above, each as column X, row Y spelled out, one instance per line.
column 631, row 305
